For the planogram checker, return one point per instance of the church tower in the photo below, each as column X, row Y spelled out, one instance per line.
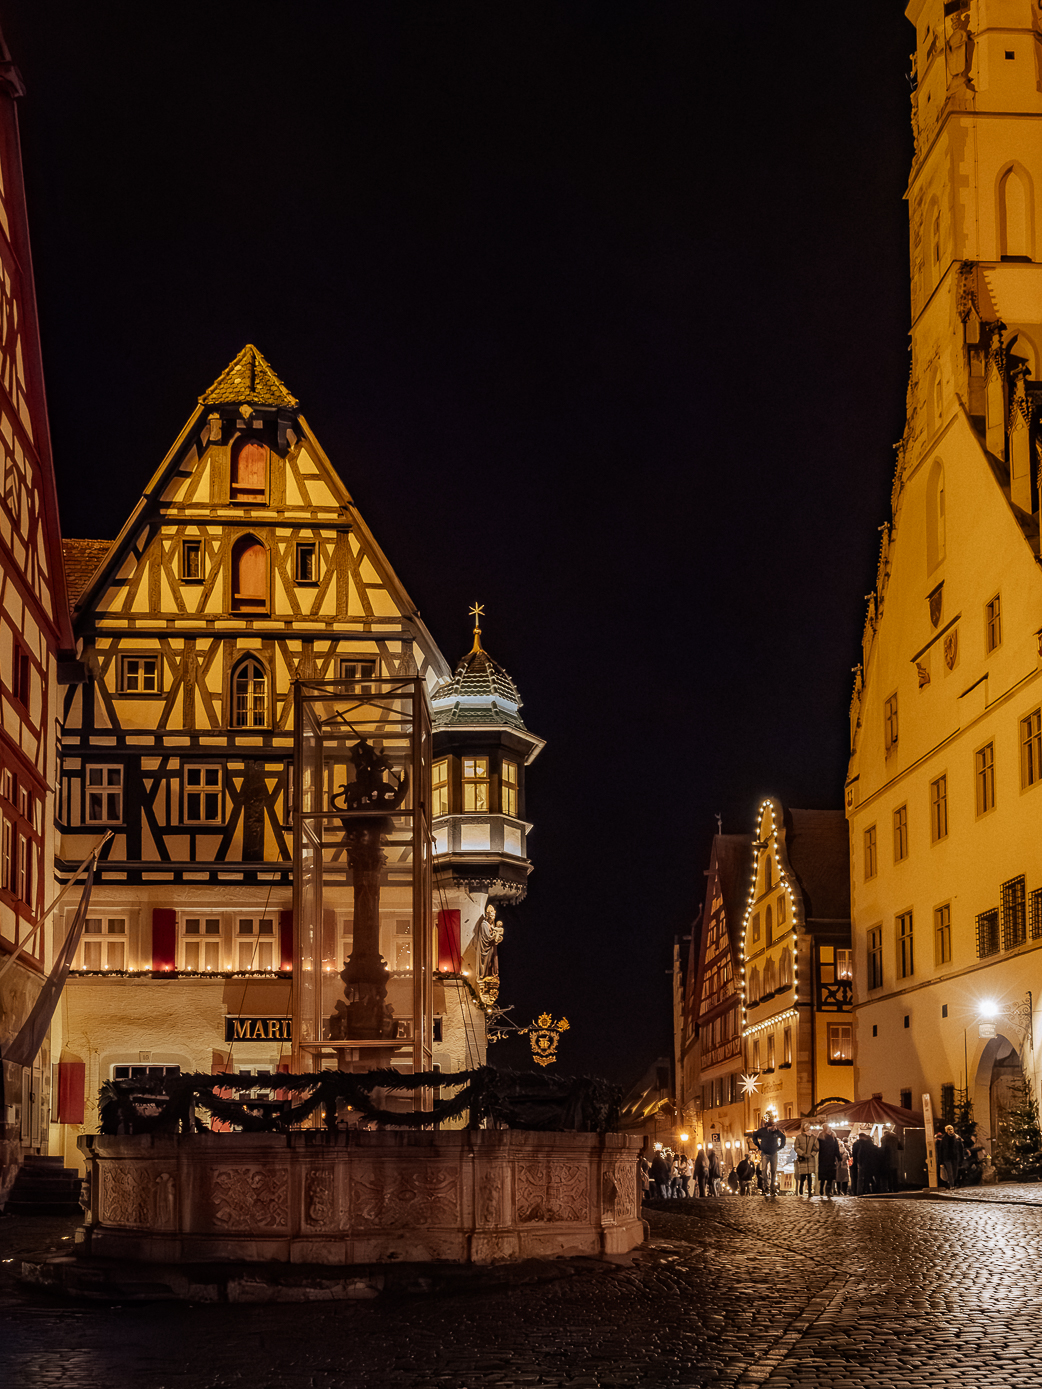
column 481, row 751
column 946, row 719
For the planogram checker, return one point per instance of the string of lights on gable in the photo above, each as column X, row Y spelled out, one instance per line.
column 770, row 845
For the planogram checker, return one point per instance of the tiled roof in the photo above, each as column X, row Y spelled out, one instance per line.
column 478, row 694
column 818, row 842
column 82, row 558
column 249, row 380
column 732, row 855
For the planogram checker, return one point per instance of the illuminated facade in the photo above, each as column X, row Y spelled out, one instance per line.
column 245, row 567
column 946, row 729
column 795, row 963
column 709, row 1051
column 34, row 630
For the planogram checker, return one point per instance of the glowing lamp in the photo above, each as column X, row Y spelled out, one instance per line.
column 684, row 1137
column 989, row 1009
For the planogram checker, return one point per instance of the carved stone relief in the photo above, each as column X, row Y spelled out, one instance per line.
column 126, row 1195
column 318, row 1196
column 248, row 1197
column 420, row 1196
column 550, row 1190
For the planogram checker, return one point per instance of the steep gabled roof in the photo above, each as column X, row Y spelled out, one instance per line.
column 82, row 558
column 249, row 380
column 731, row 855
column 818, row 845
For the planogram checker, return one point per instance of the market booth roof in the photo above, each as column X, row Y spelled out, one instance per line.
column 873, row 1111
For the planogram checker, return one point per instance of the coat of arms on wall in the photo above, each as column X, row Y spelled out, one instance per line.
column 543, row 1036
column 923, row 674
column 951, row 648
column 934, row 601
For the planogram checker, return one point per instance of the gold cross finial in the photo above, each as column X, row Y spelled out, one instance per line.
column 477, row 612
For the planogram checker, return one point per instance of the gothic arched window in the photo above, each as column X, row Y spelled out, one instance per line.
column 935, row 537
column 249, row 575
column 250, row 694
column 249, row 471
column 1015, row 209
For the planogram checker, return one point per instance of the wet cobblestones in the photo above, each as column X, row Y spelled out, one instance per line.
column 728, row 1292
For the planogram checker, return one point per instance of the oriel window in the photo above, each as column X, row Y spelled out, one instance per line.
column 249, row 472
column 140, row 674
column 440, row 788
column 992, row 624
column 1031, row 748
column 939, row 809
column 475, row 783
column 985, row 778
column 203, row 794
column 104, row 795
column 250, row 695
column 307, row 563
column 508, row 788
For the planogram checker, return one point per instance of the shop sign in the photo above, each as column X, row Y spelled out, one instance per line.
column 986, row 1029
column 258, row 1029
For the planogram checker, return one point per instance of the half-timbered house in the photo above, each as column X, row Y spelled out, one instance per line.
column 34, row 631
column 244, row 566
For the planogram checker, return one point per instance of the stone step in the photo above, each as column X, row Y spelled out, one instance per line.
column 16, row 1207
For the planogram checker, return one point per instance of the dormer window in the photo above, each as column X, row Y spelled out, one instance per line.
column 249, row 483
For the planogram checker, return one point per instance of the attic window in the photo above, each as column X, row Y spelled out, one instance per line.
column 249, row 472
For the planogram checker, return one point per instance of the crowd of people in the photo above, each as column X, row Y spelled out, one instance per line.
column 826, row 1162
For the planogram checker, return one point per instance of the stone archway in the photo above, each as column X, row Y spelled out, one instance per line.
column 998, row 1068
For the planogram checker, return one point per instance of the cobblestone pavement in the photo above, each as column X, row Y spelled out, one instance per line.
column 1008, row 1193
column 788, row 1295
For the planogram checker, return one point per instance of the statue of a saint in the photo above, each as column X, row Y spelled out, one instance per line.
column 490, row 933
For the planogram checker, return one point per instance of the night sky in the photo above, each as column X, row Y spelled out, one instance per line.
column 601, row 312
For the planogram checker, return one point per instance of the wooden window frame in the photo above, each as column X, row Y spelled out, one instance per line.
column 874, row 959
column 942, row 933
column 140, row 657
column 984, row 778
column 904, row 937
column 890, row 729
column 251, row 695
column 901, row 833
column 840, row 1039
column 105, row 788
column 204, row 935
column 472, row 782
column 358, row 672
column 508, row 788
column 304, row 549
column 871, row 842
column 202, row 790
column 199, row 549
column 993, row 624
column 440, row 792
column 1031, row 749
column 939, row 808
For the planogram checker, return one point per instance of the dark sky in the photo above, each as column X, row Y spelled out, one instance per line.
column 600, row 309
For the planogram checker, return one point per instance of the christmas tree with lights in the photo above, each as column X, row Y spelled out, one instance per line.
column 1018, row 1147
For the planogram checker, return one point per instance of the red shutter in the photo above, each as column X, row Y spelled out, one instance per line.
column 72, row 1086
column 286, row 939
column 251, row 467
column 448, row 941
column 164, row 938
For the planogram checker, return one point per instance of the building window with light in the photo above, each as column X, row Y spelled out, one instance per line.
column 104, row 795
column 905, row 948
column 754, row 986
column 201, row 942
column 787, row 1047
column 870, row 853
column 942, row 926
column 475, row 784
column 250, row 695
column 756, row 927
column 985, row 778
column 875, row 957
column 203, row 795
column 440, row 788
column 756, row 1053
column 140, row 675
column 992, row 624
column 781, row 912
column 256, row 942
column 770, row 1051
column 1031, row 748
column 104, row 943
column 939, row 809
column 840, row 1043
column 785, row 969
column 508, row 789
column 890, row 724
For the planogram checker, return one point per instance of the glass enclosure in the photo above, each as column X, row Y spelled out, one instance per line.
column 363, row 953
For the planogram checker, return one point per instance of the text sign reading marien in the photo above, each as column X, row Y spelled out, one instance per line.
column 258, row 1029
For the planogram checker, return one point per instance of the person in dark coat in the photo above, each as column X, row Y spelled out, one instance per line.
column 746, row 1173
column 828, row 1158
column 770, row 1140
column 715, row 1172
column 888, row 1150
column 660, row 1174
column 951, row 1153
column 866, row 1157
column 701, row 1171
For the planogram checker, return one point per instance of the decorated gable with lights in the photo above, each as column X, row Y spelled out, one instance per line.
column 770, row 966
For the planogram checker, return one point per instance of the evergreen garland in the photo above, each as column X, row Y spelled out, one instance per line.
column 1018, row 1147
column 509, row 1099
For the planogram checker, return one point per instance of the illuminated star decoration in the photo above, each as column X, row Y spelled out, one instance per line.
column 750, row 1085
